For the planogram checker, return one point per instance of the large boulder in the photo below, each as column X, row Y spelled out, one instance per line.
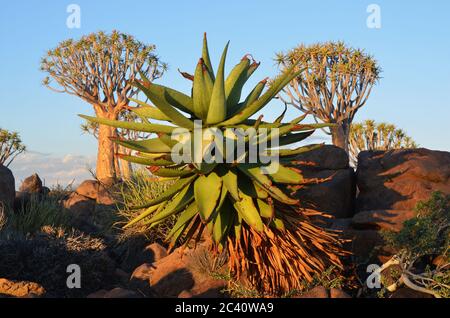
column 32, row 184
column 79, row 205
column 398, row 179
column 92, row 189
column 86, row 203
column 30, row 189
column 96, row 191
column 135, row 251
column 175, row 274
column 332, row 187
column 7, row 187
column 88, row 189
column 82, row 210
column 391, row 220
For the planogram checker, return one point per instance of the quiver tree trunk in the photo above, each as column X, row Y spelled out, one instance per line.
column 126, row 168
column 106, row 169
column 340, row 136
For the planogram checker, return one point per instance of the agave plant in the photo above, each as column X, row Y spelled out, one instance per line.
column 244, row 209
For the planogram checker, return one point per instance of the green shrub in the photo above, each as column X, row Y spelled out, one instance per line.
column 426, row 234
column 423, row 237
column 135, row 192
column 32, row 216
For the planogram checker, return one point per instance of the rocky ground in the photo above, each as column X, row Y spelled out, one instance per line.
column 380, row 195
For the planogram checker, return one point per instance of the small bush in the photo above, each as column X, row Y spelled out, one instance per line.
column 426, row 234
column 423, row 238
column 32, row 216
column 141, row 188
column 211, row 264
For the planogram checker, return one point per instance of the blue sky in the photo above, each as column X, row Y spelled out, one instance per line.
column 412, row 47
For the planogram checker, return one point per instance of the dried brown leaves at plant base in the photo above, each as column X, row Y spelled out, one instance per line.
column 278, row 261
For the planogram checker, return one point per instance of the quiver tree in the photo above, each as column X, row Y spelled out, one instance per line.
column 369, row 135
column 99, row 68
column 10, row 147
column 336, row 81
column 123, row 168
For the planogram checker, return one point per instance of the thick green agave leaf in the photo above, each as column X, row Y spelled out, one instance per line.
column 171, row 173
column 249, row 212
column 254, row 172
column 154, row 145
column 206, row 58
column 235, row 82
column 230, row 181
column 198, row 92
column 297, row 151
column 293, row 138
column 180, row 201
column 144, row 127
column 162, row 103
column 286, row 175
column 300, row 127
column 218, row 106
column 278, row 224
column 237, row 226
column 207, row 190
column 146, row 161
column 184, row 219
column 253, row 96
column 254, row 107
column 247, row 186
column 143, row 215
column 223, row 221
column 267, row 210
column 147, row 111
column 169, row 95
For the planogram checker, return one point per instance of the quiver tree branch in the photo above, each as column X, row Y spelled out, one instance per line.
column 336, row 82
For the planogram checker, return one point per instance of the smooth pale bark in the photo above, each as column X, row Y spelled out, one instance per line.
column 105, row 169
column 125, row 166
column 340, row 136
column 116, row 162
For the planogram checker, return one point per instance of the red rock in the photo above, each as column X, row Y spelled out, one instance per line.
column 89, row 189
column 316, row 292
column 156, row 251
column 20, row 289
column 334, row 196
column 174, row 274
column 338, row 293
column 382, row 219
column 185, row 294
column 398, row 179
column 7, row 187
column 80, row 205
column 32, row 184
column 104, row 196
